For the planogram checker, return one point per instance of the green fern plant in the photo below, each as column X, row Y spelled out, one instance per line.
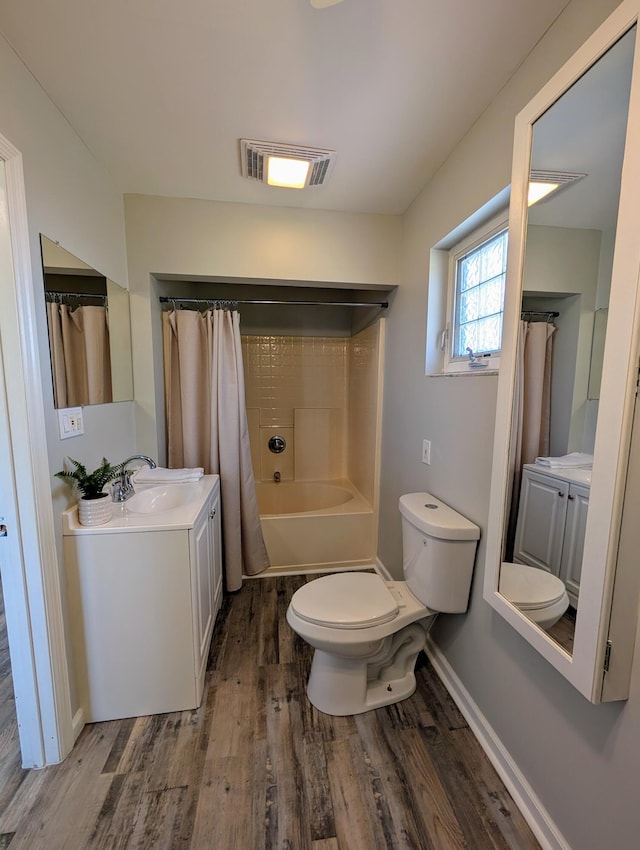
column 90, row 484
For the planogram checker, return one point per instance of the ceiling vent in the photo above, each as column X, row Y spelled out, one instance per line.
column 254, row 156
column 562, row 178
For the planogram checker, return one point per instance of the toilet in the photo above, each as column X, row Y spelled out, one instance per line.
column 367, row 632
column 541, row 596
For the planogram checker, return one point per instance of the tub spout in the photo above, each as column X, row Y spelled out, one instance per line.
column 276, row 476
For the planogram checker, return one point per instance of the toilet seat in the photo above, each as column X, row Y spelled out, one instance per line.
column 345, row 601
column 530, row 588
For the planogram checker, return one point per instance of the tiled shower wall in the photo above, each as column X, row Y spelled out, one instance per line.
column 299, row 388
column 363, row 414
column 296, row 387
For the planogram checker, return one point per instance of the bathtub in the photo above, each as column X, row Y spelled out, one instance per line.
column 312, row 526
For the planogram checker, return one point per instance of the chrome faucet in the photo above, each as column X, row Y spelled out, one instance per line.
column 123, row 488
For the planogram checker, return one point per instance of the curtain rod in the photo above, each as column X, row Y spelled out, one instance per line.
column 548, row 314
column 56, row 295
column 164, row 299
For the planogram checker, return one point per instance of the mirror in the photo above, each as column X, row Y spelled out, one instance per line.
column 597, row 352
column 554, row 528
column 567, row 271
column 89, row 331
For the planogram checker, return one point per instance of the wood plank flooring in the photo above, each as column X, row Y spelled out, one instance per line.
column 11, row 772
column 564, row 630
column 256, row 767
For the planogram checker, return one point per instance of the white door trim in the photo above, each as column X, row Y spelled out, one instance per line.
column 30, row 573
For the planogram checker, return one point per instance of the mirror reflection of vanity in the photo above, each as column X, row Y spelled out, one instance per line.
column 573, row 263
column 89, row 331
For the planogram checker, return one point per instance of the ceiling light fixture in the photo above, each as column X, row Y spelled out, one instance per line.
column 542, row 184
column 285, row 165
column 290, row 173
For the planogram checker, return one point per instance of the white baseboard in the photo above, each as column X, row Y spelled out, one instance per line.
column 382, row 570
column 524, row 797
column 77, row 723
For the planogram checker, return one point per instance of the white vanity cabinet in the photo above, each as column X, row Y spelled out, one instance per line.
column 551, row 522
column 206, row 582
column 143, row 594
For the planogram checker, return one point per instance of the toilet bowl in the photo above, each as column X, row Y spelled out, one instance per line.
column 541, row 596
column 367, row 632
column 357, row 623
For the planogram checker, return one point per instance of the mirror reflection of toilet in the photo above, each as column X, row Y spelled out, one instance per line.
column 367, row 632
column 541, row 596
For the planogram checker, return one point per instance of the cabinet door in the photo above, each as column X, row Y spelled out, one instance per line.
column 202, row 589
column 541, row 519
column 216, row 553
column 573, row 546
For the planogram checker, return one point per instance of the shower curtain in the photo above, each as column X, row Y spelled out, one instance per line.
column 80, row 355
column 207, row 425
column 531, row 418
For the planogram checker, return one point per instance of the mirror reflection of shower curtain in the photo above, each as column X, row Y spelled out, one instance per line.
column 207, row 425
column 80, row 355
column 531, row 419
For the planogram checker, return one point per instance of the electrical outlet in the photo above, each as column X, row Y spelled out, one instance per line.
column 426, row 451
column 70, row 422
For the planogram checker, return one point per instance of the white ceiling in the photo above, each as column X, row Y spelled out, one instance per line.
column 162, row 90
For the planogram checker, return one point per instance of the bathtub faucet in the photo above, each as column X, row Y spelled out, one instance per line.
column 276, row 476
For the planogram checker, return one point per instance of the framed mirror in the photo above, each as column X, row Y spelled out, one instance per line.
column 89, row 331
column 560, row 451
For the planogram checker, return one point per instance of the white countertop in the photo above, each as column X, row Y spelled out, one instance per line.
column 125, row 520
column 581, row 475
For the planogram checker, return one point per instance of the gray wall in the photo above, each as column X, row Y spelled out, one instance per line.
column 71, row 199
column 581, row 760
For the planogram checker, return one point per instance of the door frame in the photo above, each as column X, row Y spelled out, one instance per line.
column 29, row 563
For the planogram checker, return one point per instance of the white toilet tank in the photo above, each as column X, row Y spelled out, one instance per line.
column 439, row 547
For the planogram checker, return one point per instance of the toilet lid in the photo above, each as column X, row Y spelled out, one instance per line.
column 345, row 601
column 530, row 587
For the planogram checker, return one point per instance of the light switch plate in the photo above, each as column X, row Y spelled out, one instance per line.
column 426, row 451
column 70, row 422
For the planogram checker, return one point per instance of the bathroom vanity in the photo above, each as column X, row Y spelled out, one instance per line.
column 552, row 519
column 143, row 591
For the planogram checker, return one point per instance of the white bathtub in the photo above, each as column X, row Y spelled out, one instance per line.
column 315, row 525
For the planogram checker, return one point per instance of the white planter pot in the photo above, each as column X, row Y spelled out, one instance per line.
column 95, row 511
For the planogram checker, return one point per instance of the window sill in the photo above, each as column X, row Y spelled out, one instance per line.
column 472, row 373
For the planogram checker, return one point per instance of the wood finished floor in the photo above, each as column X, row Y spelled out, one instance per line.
column 257, row 768
column 564, row 630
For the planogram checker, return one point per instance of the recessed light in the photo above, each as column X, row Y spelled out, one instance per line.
column 542, row 184
column 290, row 173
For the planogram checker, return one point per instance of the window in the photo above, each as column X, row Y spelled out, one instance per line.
column 477, row 270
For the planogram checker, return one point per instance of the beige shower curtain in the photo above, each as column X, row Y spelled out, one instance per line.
column 531, row 418
column 80, row 354
column 207, row 425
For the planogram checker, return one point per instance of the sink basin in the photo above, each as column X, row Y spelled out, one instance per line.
column 156, row 500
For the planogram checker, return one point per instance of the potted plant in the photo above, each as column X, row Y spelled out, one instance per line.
column 94, row 506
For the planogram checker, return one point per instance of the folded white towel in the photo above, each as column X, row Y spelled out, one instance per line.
column 574, row 460
column 160, row 475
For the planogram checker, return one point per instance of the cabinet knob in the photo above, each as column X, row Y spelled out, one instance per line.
column 212, row 514
column 570, row 497
column 561, row 494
